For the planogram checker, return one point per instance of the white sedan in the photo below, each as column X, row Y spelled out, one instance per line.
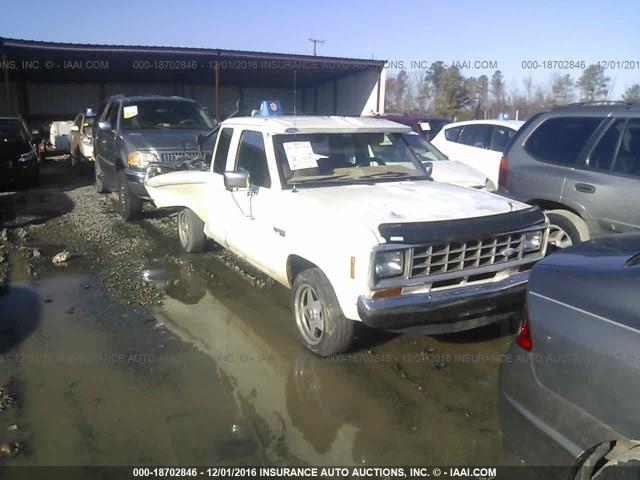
column 478, row 143
column 444, row 169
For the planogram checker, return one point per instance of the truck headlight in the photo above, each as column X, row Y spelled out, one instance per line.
column 389, row 263
column 141, row 159
column 533, row 241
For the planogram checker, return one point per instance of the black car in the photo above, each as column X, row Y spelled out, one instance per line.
column 135, row 133
column 19, row 161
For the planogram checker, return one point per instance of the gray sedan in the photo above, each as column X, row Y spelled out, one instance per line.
column 569, row 385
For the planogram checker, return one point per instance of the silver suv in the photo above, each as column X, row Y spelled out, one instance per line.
column 581, row 164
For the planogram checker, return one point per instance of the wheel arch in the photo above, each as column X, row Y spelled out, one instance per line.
column 295, row 265
column 552, row 205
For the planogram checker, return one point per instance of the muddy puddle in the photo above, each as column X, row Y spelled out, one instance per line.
column 216, row 375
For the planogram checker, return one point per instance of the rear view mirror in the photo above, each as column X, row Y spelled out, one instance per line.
column 104, row 125
column 236, row 179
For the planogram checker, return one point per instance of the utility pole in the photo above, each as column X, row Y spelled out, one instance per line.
column 315, row 42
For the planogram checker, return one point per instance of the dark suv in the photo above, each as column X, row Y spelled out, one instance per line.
column 135, row 133
column 581, row 164
column 19, row 160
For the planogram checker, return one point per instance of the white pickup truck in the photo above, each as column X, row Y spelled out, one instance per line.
column 339, row 210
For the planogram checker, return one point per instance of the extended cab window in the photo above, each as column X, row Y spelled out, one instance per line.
column 476, row 135
column 222, row 150
column 560, row 140
column 253, row 158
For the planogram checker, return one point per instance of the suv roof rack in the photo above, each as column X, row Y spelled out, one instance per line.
column 595, row 103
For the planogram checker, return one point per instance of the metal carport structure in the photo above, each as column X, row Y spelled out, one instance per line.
column 46, row 81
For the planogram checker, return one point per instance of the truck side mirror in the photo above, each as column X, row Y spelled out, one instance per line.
column 236, row 179
column 428, row 167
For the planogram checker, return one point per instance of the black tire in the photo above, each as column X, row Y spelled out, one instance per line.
column 567, row 229
column 191, row 232
column 75, row 158
column 130, row 205
column 100, row 188
column 331, row 333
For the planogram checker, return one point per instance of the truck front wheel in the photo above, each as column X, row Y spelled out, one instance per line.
column 191, row 232
column 320, row 324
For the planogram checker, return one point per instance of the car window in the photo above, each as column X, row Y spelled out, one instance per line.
column 560, row 140
column 164, row 114
column 476, row 135
column 452, row 134
column 602, row 156
column 253, row 158
column 222, row 150
column 425, row 151
column 112, row 114
column 500, row 138
column 628, row 158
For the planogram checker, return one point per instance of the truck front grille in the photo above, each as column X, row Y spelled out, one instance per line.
column 453, row 257
column 171, row 156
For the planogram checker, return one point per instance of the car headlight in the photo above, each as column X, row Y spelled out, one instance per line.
column 26, row 157
column 389, row 263
column 141, row 159
column 489, row 186
column 533, row 241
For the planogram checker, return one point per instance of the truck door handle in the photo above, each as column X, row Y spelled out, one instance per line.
column 585, row 188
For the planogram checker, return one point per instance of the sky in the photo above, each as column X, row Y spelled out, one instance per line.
column 421, row 31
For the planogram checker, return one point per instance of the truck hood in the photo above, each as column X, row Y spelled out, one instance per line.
column 165, row 139
column 452, row 171
column 401, row 202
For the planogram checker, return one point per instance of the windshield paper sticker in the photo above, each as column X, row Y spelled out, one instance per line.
column 300, row 155
column 130, row 111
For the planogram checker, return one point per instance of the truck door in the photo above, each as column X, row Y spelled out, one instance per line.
column 252, row 233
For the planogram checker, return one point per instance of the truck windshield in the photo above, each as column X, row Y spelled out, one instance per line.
column 321, row 158
column 423, row 149
column 164, row 114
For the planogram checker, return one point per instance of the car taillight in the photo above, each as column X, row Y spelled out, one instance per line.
column 504, row 172
column 523, row 339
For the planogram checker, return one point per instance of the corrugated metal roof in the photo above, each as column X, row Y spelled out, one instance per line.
column 44, row 45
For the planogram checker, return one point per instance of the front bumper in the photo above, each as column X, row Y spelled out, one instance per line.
column 446, row 311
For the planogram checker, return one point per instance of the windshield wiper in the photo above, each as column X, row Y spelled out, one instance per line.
column 301, row 180
column 404, row 176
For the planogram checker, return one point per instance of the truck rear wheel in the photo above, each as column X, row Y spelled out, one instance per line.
column 191, row 232
column 320, row 324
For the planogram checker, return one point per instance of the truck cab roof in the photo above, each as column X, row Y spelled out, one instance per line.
column 288, row 124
